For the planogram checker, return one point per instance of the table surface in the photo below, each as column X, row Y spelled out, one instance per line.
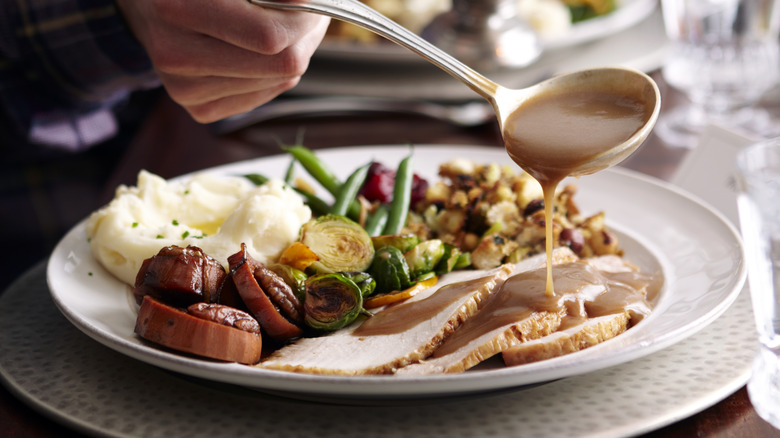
column 169, row 143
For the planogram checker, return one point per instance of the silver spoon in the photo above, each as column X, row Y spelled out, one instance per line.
column 627, row 82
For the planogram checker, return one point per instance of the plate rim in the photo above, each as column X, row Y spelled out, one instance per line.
column 365, row 386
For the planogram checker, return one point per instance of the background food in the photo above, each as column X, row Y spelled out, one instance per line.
column 412, row 14
column 549, row 18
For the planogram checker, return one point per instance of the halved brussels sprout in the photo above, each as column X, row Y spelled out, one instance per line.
column 332, row 301
column 363, row 280
column 424, row 256
column 404, row 242
column 452, row 259
column 341, row 244
column 448, row 259
column 464, row 261
column 390, row 270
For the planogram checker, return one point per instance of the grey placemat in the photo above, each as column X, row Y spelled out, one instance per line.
column 61, row 372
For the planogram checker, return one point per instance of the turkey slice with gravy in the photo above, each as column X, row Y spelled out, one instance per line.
column 568, row 340
column 585, row 293
column 404, row 333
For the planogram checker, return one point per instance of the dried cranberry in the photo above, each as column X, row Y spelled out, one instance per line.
column 419, row 188
column 533, row 207
column 573, row 239
column 381, row 180
column 379, row 184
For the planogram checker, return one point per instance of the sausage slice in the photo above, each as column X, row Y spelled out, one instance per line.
column 176, row 329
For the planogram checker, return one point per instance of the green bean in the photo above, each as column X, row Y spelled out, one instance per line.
column 322, row 174
column 256, row 178
column 316, row 168
column 317, row 205
column 402, row 195
column 376, row 222
column 349, row 190
column 289, row 176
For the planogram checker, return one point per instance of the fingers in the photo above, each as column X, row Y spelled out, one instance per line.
column 210, row 92
column 190, row 90
column 202, row 55
column 237, row 22
column 219, row 109
column 219, row 58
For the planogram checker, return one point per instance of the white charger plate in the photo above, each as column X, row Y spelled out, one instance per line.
column 661, row 227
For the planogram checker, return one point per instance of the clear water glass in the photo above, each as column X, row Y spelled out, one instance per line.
column 724, row 56
column 758, row 178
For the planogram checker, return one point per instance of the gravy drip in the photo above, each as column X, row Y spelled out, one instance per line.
column 581, row 292
column 407, row 315
column 555, row 135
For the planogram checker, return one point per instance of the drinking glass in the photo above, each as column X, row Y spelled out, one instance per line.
column 758, row 178
column 723, row 56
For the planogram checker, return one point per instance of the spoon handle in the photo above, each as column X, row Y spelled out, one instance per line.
column 355, row 12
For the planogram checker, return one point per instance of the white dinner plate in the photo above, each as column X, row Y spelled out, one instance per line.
column 627, row 14
column 660, row 227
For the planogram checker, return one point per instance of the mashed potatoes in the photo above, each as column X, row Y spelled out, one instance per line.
column 214, row 213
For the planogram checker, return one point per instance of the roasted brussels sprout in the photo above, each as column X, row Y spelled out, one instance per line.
column 390, row 270
column 448, row 260
column 341, row 244
column 464, row 261
column 404, row 242
column 332, row 301
column 364, row 281
column 424, row 257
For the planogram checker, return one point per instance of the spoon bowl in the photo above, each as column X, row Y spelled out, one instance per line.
column 627, row 83
column 609, row 81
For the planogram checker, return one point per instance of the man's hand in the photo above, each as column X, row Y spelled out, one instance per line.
column 218, row 58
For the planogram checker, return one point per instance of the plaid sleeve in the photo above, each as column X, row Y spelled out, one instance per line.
column 64, row 64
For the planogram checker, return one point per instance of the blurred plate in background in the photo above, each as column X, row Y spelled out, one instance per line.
column 627, row 14
column 641, row 46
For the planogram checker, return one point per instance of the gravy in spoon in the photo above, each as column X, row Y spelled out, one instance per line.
column 556, row 134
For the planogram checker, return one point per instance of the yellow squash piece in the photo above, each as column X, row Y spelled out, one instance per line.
column 299, row 256
column 400, row 295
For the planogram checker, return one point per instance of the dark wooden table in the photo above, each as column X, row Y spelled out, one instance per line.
column 170, row 143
